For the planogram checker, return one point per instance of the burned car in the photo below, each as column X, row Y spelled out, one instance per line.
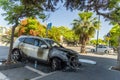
column 46, row 50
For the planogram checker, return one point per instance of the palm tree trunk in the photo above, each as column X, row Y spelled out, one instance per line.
column 83, row 46
column 83, row 49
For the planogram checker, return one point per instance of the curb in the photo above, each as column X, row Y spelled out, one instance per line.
column 11, row 66
column 115, row 68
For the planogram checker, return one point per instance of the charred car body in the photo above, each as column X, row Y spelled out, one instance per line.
column 45, row 49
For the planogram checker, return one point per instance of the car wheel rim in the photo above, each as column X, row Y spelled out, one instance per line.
column 15, row 56
column 74, row 62
column 54, row 65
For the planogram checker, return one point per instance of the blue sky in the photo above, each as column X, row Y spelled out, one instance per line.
column 62, row 17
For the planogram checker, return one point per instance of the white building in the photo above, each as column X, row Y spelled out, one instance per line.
column 2, row 32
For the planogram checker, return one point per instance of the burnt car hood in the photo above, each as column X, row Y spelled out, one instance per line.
column 68, row 51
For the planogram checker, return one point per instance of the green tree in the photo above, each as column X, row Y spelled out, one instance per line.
column 85, row 27
column 106, row 8
column 68, row 34
column 54, row 33
column 100, row 41
column 114, row 35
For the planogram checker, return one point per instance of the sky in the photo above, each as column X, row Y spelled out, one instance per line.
column 62, row 17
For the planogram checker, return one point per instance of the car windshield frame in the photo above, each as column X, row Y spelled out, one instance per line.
column 52, row 43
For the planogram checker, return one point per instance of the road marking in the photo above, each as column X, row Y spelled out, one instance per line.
column 42, row 74
column 35, row 70
column 87, row 61
column 110, row 68
column 39, row 77
column 0, row 63
column 3, row 77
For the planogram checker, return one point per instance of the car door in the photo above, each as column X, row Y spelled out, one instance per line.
column 99, row 48
column 42, row 49
column 28, row 47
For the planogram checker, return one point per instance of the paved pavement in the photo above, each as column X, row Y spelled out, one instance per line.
column 99, row 71
column 23, row 73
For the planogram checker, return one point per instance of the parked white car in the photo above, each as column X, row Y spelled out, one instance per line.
column 103, row 49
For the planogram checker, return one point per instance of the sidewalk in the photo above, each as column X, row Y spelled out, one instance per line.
column 102, row 56
column 111, row 55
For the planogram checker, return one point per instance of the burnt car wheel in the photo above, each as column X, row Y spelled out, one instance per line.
column 15, row 56
column 74, row 63
column 56, row 64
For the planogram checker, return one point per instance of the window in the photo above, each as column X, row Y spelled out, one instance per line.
column 37, row 42
column 29, row 41
column 100, row 46
column 41, row 43
column 50, row 42
column 21, row 39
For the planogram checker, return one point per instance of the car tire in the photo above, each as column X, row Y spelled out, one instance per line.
column 106, row 51
column 92, row 50
column 16, row 56
column 56, row 64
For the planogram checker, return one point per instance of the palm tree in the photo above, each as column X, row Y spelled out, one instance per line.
column 85, row 28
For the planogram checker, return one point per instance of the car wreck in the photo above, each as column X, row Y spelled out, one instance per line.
column 47, row 50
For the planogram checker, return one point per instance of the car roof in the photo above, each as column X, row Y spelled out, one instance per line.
column 36, row 37
column 29, row 36
column 47, row 39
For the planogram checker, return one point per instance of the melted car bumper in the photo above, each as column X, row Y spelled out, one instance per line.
column 73, row 63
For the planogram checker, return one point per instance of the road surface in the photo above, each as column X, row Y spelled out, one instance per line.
column 99, row 71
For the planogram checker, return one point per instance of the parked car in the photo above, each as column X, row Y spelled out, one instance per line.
column 44, row 49
column 103, row 49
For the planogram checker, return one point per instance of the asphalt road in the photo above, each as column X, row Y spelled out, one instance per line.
column 3, row 52
column 99, row 71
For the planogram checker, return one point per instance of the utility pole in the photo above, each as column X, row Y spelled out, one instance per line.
column 97, row 35
column 118, row 56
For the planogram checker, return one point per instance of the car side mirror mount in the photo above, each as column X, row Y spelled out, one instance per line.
column 44, row 46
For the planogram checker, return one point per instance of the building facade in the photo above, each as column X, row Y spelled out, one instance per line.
column 2, row 33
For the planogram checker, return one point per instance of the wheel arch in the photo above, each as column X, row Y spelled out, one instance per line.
column 50, row 60
column 17, row 49
column 62, row 63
